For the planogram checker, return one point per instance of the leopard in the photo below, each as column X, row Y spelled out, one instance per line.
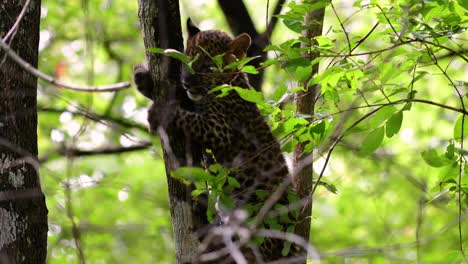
column 233, row 129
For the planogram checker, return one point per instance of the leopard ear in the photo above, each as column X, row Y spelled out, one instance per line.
column 239, row 45
column 191, row 28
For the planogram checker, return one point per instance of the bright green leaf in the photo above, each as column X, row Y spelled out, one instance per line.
column 233, row 182
column 249, row 69
column 372, row 141
column 191, row 174
column 303, row 73
column 249, row 95
column 279, row 92
column 171, row 53
column 298, row 89
column 432, row 158
column 457, row 129
column 382, row 116
column 393, row 124
column 198, row 192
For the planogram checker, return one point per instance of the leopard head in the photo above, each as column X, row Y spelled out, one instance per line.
column 205, row 45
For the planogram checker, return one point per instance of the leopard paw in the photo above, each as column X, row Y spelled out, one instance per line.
column 161, row 114
column 143, row 80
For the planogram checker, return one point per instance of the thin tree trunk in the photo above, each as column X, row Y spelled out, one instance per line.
column 305, row 102
column 23, row 212
column 160, row 22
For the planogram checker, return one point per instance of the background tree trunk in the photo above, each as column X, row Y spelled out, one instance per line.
column 160, row 22
column 23, row 212
column 239, row 21
column 305, row 102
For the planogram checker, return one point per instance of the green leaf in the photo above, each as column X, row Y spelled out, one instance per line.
column 457, row 129
column 262, row 194
column 298, row 89
column 289, row 126
column 240, row 63
column 233, row 182
column 411, row 95
column 223, row 89
column 432, row 158
column 330, row 187
column 218, row 60
column 186, row 60
column 303, row 73
column 382, row 116
column 171, row 53
column 393, row 124
column 290, row 145
column 319, row 128
column 353, row 77
column 249, row 69
column 249, row 95
column 286, row 248
column 449, row 172
column 191, row 174
column 324, row 42
column 198, row 192
column 279, row 92
column 450, row 151
column 372, row 141
column 227, row 202
column 269, row 62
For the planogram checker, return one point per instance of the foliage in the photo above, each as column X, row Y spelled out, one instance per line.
column 388, row 133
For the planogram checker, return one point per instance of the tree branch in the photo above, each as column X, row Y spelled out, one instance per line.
column 74, row 152
column 29, row 68
column 18, row 20
column 95, row 117
column 238, row 17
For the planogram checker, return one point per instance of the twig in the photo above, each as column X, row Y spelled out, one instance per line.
column 419, row 221
column 74, row 152
column 462, row 158
column 390, row 23
column 29, row 68
column 327, row 159
column 18, row 20
column 234, row 250
column 76, row 232
column 102, row 119
column 342, row 27
column 274, row 19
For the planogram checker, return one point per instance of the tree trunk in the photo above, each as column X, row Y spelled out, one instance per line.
column 160, row 22
column 23, row 212
column 240, row 21
column 305, row 102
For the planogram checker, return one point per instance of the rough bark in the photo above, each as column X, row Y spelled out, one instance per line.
column 305, row 102
column 239, row 21
column 160, row 22
column 23, row 212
